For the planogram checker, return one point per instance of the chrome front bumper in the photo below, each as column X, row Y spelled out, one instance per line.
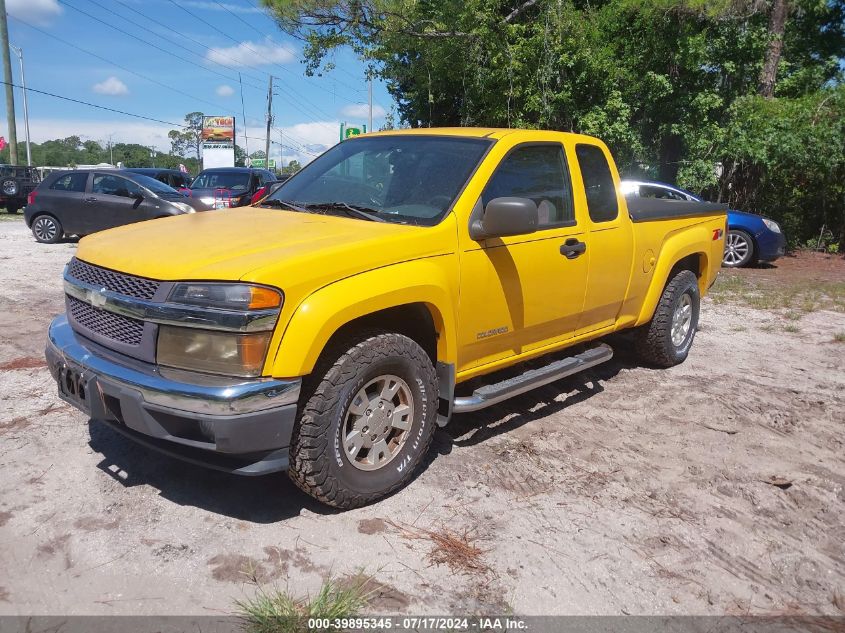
column 252, row 418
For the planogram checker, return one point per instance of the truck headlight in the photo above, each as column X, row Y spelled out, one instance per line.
column 215, row 352
column 226, row 296
column 222, row 350
column 773, row 226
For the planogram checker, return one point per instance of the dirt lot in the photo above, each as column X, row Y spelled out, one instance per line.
column 625, row 490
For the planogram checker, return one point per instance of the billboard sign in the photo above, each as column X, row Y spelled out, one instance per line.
column 218, row 131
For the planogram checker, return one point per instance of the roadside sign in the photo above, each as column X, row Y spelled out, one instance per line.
column 260, row 163
column 348, row 131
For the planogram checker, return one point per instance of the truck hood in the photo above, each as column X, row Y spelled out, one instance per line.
column 259, row 245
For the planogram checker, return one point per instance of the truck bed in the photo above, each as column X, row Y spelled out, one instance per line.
column 649, row 209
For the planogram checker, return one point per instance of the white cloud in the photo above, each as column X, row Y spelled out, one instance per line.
column 251, row 54
column 362, row 111
column 111, row 86
column 225, row 91
column 38, row 12
column 302, row 141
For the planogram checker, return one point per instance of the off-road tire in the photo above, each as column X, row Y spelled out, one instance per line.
column 653, row 341
column 12, row 208
column 319, row 464
column 9, row 187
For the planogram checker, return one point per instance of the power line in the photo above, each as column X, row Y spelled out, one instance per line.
column 233, row 14
column 124, row 68
column 142, row 40
column 94, row 105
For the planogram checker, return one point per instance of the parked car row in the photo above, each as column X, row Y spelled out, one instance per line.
column 80, row 202
column 751, row 238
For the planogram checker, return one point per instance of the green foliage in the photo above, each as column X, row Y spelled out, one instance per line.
column 72, row 151
column 187, row 140
column 292, row 167
column 279, row 612
column 669, row 84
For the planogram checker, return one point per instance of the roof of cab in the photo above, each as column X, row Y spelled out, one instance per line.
column 471, row 132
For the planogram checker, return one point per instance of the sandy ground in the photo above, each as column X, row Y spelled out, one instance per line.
column 623, row 490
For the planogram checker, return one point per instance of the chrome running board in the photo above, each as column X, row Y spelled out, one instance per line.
column 497, row 392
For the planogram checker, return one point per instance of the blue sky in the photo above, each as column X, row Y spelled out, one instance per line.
column 188, row 63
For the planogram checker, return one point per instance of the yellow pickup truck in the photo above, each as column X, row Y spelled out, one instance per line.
column 332, row 327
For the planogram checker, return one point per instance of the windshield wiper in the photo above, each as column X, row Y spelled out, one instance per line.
column 274, row 202
column 364, row 213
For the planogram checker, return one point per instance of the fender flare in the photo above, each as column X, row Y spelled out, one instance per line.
column 326, row 310
column 675, row 248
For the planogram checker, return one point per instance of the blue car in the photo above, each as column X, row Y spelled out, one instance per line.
column 751, row 238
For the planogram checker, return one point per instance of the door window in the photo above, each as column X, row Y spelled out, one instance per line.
column 650, row 191
column 108, row 184
column 537, row 172
column 598, row 183
column 70, row 182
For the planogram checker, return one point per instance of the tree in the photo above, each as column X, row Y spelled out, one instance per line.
column 292, row 167
column 659, row 80
column 240, row 156
column 189, row 138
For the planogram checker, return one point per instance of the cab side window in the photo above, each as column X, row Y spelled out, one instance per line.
column 115, row 186
column 598, row 183
column 71, row 182
column 537, row 172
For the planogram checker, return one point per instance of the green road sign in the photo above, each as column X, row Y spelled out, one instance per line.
column 260, row 163
column 348, row 131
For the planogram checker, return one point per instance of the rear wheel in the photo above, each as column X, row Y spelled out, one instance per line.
column 12, row 208
column 666, row 340
column 367, row 425
column 47, row 229
column 739, row 249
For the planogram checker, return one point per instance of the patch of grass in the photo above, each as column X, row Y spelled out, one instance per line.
column 791, row 299
column 789, row 327
column 278, row 612
column 839, row 337
column 7, row 217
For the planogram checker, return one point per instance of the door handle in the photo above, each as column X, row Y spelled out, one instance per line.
column 572, row 248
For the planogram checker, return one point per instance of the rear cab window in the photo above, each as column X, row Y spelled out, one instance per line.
column 538, row 172
column 598, row 183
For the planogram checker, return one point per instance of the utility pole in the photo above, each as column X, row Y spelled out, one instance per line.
column 111, row 151
column 370, row 87
column 10, row 93
column 19, row 52
column 281, row 150
column 269, row 121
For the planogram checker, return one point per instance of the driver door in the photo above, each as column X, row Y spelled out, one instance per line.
column 521, row 293
column 113, row 201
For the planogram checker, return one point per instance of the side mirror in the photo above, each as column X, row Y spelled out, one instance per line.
column 505, row 216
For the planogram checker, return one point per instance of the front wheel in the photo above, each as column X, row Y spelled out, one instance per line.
column 739, row 249
column 666, row 340
column 47, row 229
column 367, row 425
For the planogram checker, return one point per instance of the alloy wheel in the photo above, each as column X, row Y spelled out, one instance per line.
column 45, row 229
column 378, row 422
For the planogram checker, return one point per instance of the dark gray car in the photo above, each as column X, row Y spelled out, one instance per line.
column 80, row 202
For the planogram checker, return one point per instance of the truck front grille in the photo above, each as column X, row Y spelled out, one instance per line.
column 107, row 324
column 127, row 285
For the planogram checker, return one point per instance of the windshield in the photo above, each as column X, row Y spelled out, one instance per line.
column 413, row 179
column 156, row 186
column 222, row 180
